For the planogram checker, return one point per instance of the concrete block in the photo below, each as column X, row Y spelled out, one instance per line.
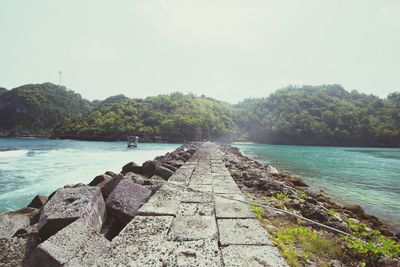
column 242, row 232
column 186, row 228
column 254, row 256
column 78, row 242
column 196, row 209
column 126, row 199
column 196, row 197
column 164, row 202
column 69, row 204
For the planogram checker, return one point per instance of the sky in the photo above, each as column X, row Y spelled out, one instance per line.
column 226, row 49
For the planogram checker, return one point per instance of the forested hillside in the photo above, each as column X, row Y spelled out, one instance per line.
column 35, row 109
column 308, row 115
column 321, row 115
column 174, row 117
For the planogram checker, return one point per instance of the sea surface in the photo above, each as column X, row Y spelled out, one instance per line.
column 369, row 177
column 31, row 166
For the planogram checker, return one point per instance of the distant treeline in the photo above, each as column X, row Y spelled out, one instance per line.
column 311, row 115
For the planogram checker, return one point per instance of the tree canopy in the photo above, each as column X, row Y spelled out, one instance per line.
column 307, row 115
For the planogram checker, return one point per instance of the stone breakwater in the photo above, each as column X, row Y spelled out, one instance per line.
column 135, row 218
column 264, row 184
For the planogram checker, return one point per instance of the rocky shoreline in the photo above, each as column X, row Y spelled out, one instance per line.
column 264, row 184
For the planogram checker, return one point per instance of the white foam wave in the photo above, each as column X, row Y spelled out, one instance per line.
column 13, row 154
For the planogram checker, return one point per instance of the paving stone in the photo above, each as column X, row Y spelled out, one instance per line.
column 200, row 253
column 226, row 188
column 252, row 256
column 196, row 197
column 186, row 228
column 77, row 242
column 233, row 210
column 202, row 188
column 164, row 202
column 69, row 204
column 242, row 232
column 196, row 209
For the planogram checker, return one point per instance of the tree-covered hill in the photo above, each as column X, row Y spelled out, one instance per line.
column 308, row 115
column 35, row 109
column 322, row 115
column 2, row 90
column 174, row 117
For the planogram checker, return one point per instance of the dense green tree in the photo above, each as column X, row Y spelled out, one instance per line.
column 36, row 108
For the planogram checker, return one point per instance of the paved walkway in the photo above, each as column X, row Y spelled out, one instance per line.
column 182, row 227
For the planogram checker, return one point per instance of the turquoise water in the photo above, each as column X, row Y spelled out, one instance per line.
column 30, row 167
column 367, row 176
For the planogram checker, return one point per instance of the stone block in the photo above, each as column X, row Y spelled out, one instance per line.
column 101, row 180
column 38, row 201
column 190, row 196
column 132, row 167
column 164, row 172
column 16, row 251
column 78, row 242
column 254, row 256
column 196, row 209
column 126, row 199
column 11, row 221
column 199, row 253
column 187, row 228
column 69, row 204
column 233, row 210
column 242, row 232
column 164, row 202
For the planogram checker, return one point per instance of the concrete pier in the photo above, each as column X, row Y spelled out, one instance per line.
column 180, row 226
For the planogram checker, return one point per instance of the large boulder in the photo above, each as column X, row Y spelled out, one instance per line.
column 126, row 198
column 38, row 201
column 169, row 166
column 69, row 204
column 11, row 221
column 132, row 167
column 164, row 172
column 149, row 167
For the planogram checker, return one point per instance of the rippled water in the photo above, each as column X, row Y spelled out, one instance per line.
column 30, row 167
column 367, row 176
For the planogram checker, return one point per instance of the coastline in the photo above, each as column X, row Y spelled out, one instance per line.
column 294, row 182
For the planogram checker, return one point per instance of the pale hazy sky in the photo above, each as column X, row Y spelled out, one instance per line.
column 228, row 50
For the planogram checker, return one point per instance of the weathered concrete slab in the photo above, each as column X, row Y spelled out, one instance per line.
column 144, row 229
column 126, row 199
column 254, row 256
column 202, row 253
column 78, row 242
column 187, row 228
column 164, row 202
column 196, row 209
column 242, row 232
column 196, row 197
column 69, row 204
column 233, row 210
column 226, row 187
column 208, row 188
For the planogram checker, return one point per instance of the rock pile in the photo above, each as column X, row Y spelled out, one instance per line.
column 90, row 214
